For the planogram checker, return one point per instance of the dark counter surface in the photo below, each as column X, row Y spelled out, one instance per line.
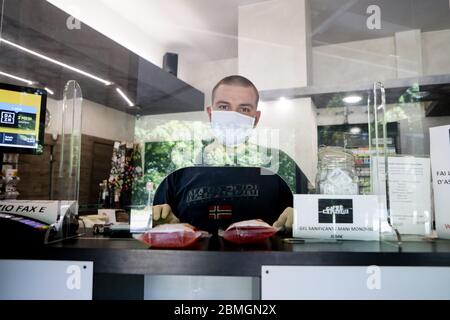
column 215, row 257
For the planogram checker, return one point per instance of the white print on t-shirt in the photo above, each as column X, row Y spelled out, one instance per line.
column 221, row 192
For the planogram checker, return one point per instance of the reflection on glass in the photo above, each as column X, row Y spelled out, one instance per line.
column 315, row 79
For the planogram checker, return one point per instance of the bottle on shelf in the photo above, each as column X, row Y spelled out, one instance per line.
column 105, row 196
column 111, row 197
column 100, row 195
column 117, row 199
column 150, row 186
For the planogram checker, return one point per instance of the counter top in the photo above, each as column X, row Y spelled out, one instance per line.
column 216, row 257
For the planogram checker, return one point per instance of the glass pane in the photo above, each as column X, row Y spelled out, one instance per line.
column 45, row 47
column 148, row 73
column 402, row 44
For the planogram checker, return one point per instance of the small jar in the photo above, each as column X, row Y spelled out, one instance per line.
column 336, row 174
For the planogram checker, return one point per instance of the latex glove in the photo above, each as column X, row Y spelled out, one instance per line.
column 163, row 214
column 286, row 219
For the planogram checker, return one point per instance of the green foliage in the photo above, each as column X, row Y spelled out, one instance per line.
column 163, row 158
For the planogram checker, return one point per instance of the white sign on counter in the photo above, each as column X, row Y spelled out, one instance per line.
column 46, row 211
column 440, row 161
column 336, row 217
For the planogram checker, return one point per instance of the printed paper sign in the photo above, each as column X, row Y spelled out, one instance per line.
column 410, row 194
column 40, row 210
column 45, row 211
column 440, row 163
column 336, row 217
column 141, row 220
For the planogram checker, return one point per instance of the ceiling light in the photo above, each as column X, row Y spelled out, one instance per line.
column 49, row 91
column 282, row 99
column 131, row 104
column 420, row 94
column 352, row 99
column 29, row 82
column 34, row 53
column 355, row 130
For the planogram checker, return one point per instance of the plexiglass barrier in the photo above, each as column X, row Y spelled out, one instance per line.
column 380, row 147
column 68, row 173
column 70, row 149
column 349, row 198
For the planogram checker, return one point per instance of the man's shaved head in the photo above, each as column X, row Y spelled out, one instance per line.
column 236, row 80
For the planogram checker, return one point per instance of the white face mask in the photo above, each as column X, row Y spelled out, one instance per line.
column 231, row 128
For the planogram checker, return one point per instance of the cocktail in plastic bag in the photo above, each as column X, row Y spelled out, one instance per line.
column 250, row 231
column 179, row 235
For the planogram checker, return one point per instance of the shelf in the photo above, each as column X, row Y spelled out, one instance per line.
column 438, row 87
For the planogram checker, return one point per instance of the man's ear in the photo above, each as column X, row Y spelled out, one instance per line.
column 258, row 115
column 208, row 111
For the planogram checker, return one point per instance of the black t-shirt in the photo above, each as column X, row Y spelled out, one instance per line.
column 210, row 198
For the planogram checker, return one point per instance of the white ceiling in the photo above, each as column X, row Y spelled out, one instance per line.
column 198, row 30
column 205, row 30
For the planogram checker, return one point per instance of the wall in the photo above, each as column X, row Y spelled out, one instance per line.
column 204, row 76
column 354, row 62
column 436, row 52
column 98, row 121
column 274, row 52
column 274, row 46
column 377, row 59
column 408, row 53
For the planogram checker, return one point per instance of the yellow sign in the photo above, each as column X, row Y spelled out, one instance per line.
column 20, row 113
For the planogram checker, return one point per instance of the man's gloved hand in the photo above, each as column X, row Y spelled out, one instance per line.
column 286, row 219
column 162, row 214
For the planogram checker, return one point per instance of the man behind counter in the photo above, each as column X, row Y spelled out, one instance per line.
column 233, row 115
